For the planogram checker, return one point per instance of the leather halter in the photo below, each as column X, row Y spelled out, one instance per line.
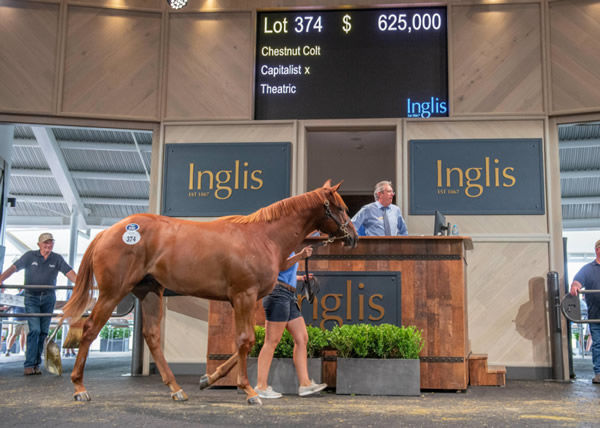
column 343, row 227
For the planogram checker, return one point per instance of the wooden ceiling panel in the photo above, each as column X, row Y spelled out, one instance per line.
column 28, row 39
column 497, row 57
column 574, row 62
column 209, row 68
column 110, row 53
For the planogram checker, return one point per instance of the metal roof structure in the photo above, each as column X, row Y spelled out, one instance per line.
column 579, row 151
column 58, row 172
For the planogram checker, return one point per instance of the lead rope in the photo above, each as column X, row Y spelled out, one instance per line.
column 310, row 288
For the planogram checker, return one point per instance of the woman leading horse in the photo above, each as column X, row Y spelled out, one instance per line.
column 234, row 258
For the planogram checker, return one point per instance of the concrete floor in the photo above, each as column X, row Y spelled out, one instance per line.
column 120, row 400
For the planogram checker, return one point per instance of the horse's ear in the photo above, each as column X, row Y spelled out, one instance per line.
column 327, row 184
column 337, row 186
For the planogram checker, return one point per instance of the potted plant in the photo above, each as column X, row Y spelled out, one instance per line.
column 377, row 359
column 114, row 339
column 282, row 374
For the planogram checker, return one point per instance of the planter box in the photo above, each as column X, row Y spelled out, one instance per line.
column 370, row 376
column 282, row 375
column 115, row 345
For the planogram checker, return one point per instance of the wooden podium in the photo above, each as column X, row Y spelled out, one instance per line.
column 433, row 298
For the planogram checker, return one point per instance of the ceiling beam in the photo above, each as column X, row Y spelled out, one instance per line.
column 580, row 200
column 56, row 199
column 139, row 152
column 87, row 145
column 39, row 221
column 583, row 173
column 581, row 223
column 579, row 144
column 81, row 175
column 60, row 170
column 21, row 246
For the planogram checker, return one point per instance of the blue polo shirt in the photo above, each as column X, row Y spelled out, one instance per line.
column 589, row 277
column 289, row 276
column 39, row 271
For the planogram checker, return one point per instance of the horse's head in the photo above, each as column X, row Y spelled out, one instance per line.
column 336, row 221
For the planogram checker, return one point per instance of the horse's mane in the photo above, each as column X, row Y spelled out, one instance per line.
column 283, row 208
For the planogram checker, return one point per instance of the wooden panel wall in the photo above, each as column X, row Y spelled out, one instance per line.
column 210, row 66
column 510, row 259
column 112, row 63
column 102, row 58
column 157, row 5
column 137, row 60
column 28, row 44
column 230, row 132
column 474, row 225
column 178, row 337
column 507, row 302
column 575, row 63
column 497, row 59
column 188, row 317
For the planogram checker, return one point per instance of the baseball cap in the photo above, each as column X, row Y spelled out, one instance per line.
column 45, row 237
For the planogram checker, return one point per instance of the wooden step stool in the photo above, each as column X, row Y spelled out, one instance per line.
column 482, row 375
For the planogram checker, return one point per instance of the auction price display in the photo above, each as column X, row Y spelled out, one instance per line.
column 366, row 63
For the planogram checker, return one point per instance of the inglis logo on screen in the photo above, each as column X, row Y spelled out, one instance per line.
column 433, row 106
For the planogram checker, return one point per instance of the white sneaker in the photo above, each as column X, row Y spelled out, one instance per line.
column 313, row 388
column 267, row 393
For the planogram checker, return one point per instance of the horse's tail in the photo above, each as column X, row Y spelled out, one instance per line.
column 83, row 291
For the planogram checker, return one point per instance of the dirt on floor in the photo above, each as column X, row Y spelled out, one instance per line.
column 122, row 400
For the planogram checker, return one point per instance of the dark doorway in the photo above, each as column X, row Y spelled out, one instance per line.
column 360, row 158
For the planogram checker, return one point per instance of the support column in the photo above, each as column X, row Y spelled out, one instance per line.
column 73, row 243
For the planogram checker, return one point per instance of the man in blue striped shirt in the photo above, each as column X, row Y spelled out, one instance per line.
column 380, row 218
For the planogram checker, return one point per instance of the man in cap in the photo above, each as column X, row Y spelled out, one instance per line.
column 41, row 268
column 588, row 278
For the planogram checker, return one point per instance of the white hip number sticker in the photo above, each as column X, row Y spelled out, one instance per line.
column 132, row 236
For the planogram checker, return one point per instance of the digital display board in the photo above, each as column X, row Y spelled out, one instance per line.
column 363, row 63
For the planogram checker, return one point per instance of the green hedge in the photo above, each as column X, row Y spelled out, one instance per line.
column 317, row 340
column 117, row 332
column 351, row 341
column 376, row 341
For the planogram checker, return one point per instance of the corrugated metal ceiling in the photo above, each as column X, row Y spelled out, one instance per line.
column 579, row 149
column 108, row 169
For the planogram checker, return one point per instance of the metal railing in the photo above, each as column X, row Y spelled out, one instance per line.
column 123, row 308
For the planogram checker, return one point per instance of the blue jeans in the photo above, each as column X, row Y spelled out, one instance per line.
column 595, row 332
column 39, row 302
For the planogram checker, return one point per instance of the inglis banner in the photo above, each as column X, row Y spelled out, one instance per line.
column 216, row 179
column 476, row 177
column 354, row 298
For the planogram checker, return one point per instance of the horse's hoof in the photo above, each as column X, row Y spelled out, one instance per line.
column 82, row 396
column 204, row 382
column 255, row 401
column 179, row 395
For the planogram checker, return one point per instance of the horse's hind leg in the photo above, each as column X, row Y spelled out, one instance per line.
column 151, row 315
column 207, row 380
column 100, row 314
column 243, row 305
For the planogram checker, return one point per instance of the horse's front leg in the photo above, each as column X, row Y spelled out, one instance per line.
column 243, row 306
